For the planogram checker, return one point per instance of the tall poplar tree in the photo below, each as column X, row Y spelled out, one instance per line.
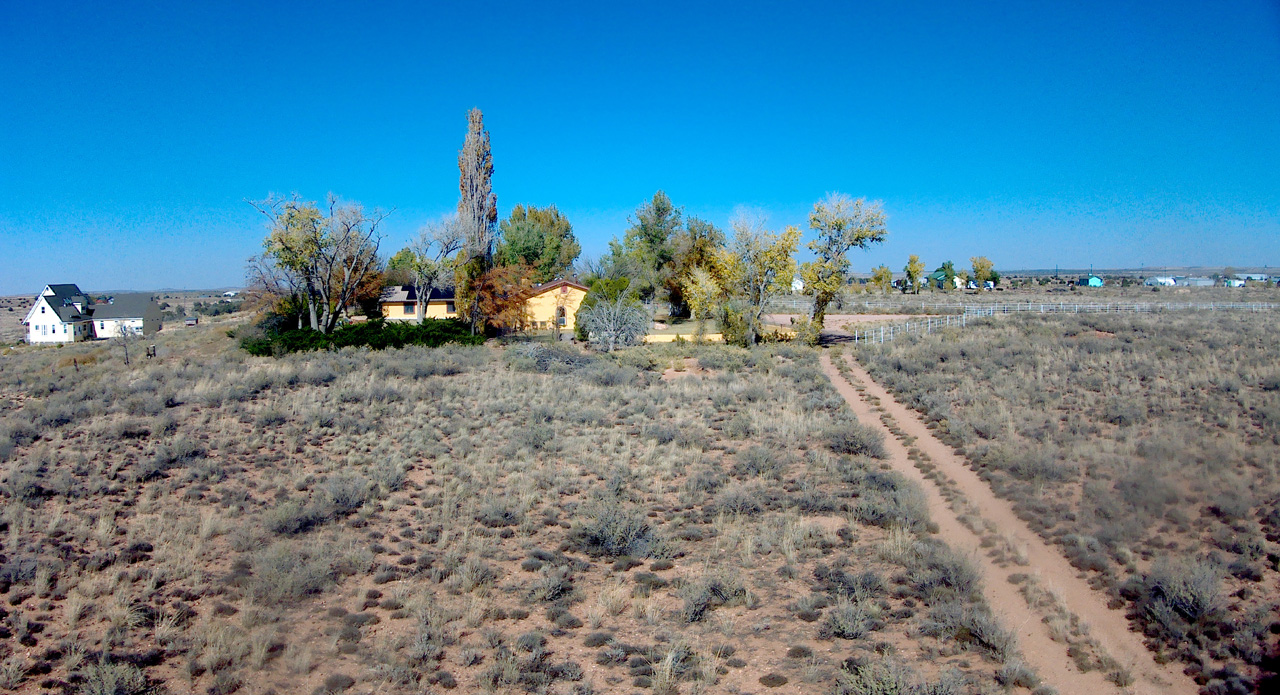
column 477, row 217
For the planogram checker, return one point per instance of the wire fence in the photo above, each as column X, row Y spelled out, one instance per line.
column 790, row 304
column 1114, row 307
column 880, row 334
column 888, row 332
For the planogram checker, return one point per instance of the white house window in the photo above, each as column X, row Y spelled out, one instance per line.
column 42, row 310
column 102, row 325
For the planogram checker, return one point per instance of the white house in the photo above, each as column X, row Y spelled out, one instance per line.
column 137, row 312
column 60, row 315
column 1159, row 282
column 64, row 314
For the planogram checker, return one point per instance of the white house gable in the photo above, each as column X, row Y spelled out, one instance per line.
column 58, row 316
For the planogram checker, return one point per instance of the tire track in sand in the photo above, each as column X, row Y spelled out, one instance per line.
column 1048, row 657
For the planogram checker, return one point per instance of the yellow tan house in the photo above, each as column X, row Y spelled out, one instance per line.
column 554, row 303
column 551, row 303
column 400, row 303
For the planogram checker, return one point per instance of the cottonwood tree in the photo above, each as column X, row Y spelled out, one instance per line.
column 882, row 278
column 698, row 245
column 913, row 271
column 615, row 322
column 431, row 258
column 701, row 294
column 758, row 266
column 981, row 269
column 477, row 217
column 841, row 223
column 322, row 256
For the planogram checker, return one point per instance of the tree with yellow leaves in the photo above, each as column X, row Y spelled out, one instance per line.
column 323, row 257
column 882, row 278
column 981, row 269
column 913, row 270
column 842, row 224
column 756, row 268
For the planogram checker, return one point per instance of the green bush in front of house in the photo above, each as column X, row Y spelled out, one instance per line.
column 376, row 335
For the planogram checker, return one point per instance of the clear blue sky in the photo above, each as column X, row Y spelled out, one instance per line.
column 1104, row 133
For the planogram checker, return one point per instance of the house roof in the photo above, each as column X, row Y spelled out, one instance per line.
column 124, row 306
column 63, row 299
column 557, row 283
column 69, row 292
column 409, row 293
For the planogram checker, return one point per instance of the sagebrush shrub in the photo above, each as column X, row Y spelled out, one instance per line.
column 855, row 439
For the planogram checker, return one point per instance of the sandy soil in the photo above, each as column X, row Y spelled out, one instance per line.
column 1049, row 658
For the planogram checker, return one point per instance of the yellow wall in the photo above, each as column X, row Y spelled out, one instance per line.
column 671, row 338
column 404, row 311
column 541, row 308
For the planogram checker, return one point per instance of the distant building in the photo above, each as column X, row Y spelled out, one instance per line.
column 400, row 303
column 60, row 314
column 797, row 286
column 552, row 303
column 1090, row 281
column 555, row 303
column 1253, row 277
column 191, row 320
column 1194, row 282
column 232, row 293
column 64, row 314
column 938, row 279
column 1164, row 281
column 136, row 312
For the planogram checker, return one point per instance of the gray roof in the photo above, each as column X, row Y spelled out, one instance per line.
column 408, row 293
column 125, row 306
column 63, row 301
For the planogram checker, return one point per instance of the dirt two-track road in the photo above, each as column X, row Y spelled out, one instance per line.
column 1048, row 657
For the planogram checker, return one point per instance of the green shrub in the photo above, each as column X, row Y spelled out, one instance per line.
column 283, row 574
column 376, row 335
column 855, row 439
column 705, row 594
column 610, row 529
column 971, row 625
column 108, row 678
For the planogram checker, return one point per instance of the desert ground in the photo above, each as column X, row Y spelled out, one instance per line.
column 1144, row 447
column 1047, row 504
column 500, row 519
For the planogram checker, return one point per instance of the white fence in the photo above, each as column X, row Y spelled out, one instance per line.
column 1114, row 308
column 880, row 334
